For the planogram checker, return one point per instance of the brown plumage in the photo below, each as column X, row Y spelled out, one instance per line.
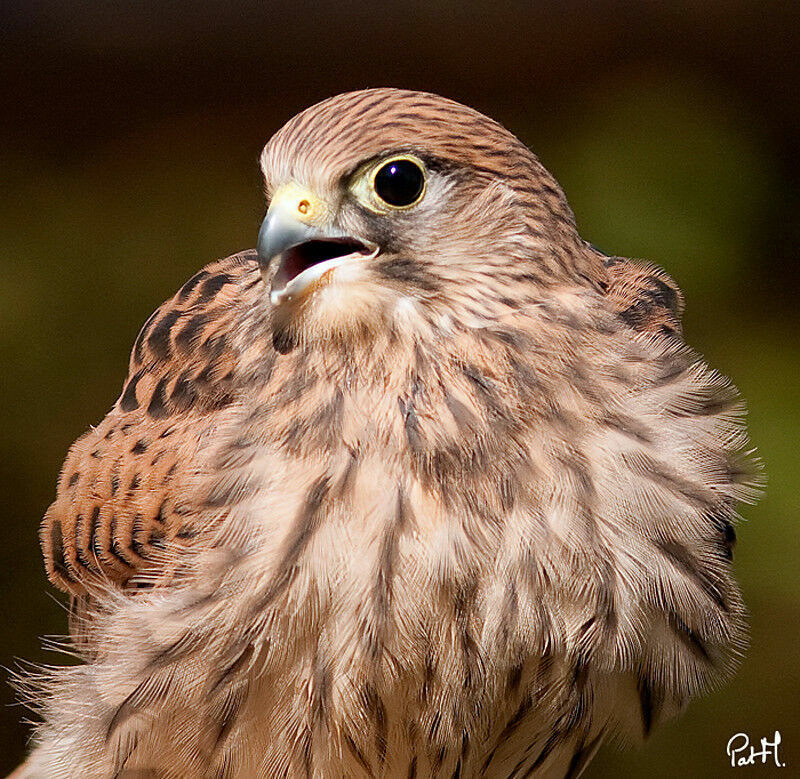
column 428, row 488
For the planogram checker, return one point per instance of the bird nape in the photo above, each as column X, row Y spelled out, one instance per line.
column 424, row 486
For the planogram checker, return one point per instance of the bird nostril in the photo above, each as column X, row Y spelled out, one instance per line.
column 304, row 207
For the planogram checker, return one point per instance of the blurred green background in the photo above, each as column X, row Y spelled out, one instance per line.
column 129, row 136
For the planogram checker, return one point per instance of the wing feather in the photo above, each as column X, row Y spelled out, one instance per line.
column 123, row 501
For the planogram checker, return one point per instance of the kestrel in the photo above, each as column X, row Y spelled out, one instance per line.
column 427, row 486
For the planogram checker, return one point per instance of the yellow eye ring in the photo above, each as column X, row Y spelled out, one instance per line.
column 399, row 182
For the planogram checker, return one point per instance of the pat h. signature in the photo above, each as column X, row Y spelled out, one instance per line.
column 742, row 752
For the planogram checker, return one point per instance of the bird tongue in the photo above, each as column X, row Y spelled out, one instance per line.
column 305, row 255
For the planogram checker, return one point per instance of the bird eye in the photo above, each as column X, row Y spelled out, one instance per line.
column 399, row 182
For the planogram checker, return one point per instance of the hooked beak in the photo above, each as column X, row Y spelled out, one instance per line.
column 298, row 234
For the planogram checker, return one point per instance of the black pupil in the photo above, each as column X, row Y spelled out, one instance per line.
column 399, row 182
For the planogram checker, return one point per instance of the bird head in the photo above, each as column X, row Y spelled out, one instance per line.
column 391, row 210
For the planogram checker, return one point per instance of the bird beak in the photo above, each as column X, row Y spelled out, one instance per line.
column 299, row 235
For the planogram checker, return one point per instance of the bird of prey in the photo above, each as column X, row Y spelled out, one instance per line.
column 426, row 486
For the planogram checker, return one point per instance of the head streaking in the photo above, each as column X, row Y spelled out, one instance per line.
column 387, row 200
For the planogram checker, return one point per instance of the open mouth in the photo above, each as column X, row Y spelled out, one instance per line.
column 302, row 265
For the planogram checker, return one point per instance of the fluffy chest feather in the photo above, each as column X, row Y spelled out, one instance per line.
column 409, row 616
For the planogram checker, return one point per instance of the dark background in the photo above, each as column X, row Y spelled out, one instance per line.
column 129, row 137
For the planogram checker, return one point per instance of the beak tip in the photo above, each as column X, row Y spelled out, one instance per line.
column 262, row 244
